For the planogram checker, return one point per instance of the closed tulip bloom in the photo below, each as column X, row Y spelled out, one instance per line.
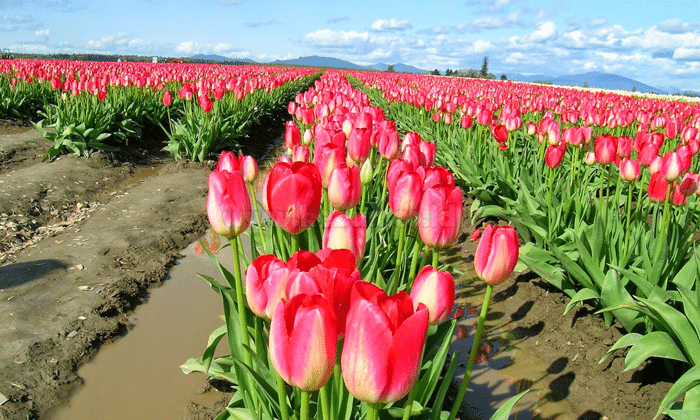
column 405, row 195
column 412, row 154
column 440, row 216
column 358, row 144
column 604, row 150
column 436, row 290
column 484, row 117
column 228, row 203
column 655, row 165
column 671, row 166
column 303, row 341
column 658, row 188
column 531, row 128
column 167, row 98
column 344, row 187
column 327, row 158
column 228, row 162
column 466, row 121
column 629, row 170
column 384, row 339
column 266, row 280
column 427, row 152
column 293, row 194
column 292, row 135
column 624, row 146
column 689, row 185
column 301, row 153
column 500, row 133
column 685, row 155
column 497, row 254
column 389, row 144
column 647, row 153
column 434, row 175
column 342, row 232
column 249, row 168
column 553, row 155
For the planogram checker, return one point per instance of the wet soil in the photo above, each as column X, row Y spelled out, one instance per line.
column 83, row 240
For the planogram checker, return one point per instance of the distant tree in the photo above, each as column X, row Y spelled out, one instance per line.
column 585, row 84
column 472, row 73
column 503, row 77
column 449, row 72
column 390, row 69
column 484, row 68
column 634, row 88
column 435, row 72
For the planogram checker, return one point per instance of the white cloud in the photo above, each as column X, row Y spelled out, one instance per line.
column 481, row 46
column 382, row 25
column 686, row 53
column 188, row 47
column 515, row 58
column 42, row 33
column 545, row 31
column 329, row 38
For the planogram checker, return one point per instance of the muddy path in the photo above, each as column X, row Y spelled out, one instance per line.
column 83, row 240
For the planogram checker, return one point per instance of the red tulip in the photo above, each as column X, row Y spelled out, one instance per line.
column 344, row 188
column 327, row 158
column 389, row 144
column 266, row 281
column 427, row 152
column 604, row 150
column 497, row 254
column 440, row 215
column 553, row 155
column 466, row 121
column 679, row 199
column 384, row 340
column 293, row 195
column 342, row 232
column 292, row 135
column 206, row 103
column 358, row 145
column 690, row 184
column 228, row 162
column 303, row 341
column 658, row 188
column 228, row 203
column 436, row 290
column 300, row 153
column 500, row 133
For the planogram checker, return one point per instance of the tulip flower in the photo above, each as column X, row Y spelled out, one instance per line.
column 671, row 166
column 658, row 188
column 249, row 168
column 384, row 339
column 358, row 144
column 344, row 187
column 342, row 232
column 303, row 341
column 440, row 216
column 292, row 135
column 679, row 198
column 466, row 121
column 266, row 281
column 436, row 290
column 427, row 152
column 228, row 162
column 228, row 205
column 293, row 195
column 167, row 98
column 500, row 133
column 629, row 170
column 327, row 158
column 497, row 254
column 553, row 155
column 405, row 195
column 690, row 184
column 300, row 153
column 604, row 150
column 206, row 103
column 389, row 144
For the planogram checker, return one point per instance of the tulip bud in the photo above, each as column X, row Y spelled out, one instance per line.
column 497, row 254
column 344, row 188
column 590, row 158
column 293, row 195
column 228, row 204
column 366, row 173
column 436, row 290
column 671, row 166
column 250, row 169
column 167, row 98
column 341, row 232
column 266, row 280
column 553, row 156
column 629, row 170
column 440, row 216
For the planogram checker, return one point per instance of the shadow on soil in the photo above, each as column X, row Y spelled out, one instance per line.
column 14, row 275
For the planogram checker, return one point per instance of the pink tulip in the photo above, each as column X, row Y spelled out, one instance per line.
column 427, row 152
column 658, row 188
column 553, row 155
column 497, row 254
column 303, row 341
column 359, row 145
column 249, row 168
column 344, row 187
column 389, row 144
column 629, row 170
column 327, row 158
column 384, row 341
column 300, row 153
column 440, row 216
column 436, row 290
column 293, row 195
column 679, row 199
column 671, row 166
column 292, row 135
column 228, row 162
column 167, row 98
column 466, row 121
column 604, row 150
column 405, row 195
column 206, row 103
column 342, row 232
column 690, row 183
column 266, row 280
column 228, row 203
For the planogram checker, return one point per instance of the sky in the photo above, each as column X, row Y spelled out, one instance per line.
column 653, row 41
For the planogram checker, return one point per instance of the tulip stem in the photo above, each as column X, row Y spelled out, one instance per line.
column 294, row 243
column 323, row 397
column 472, row 355
column 629, row 214
column 372, row 411
column 282, row 397
column 414, row 261
column 305, row 399
column 240, row 302
column 399, row 259
column 257, row 215
column 436, row 257
column 409, row 403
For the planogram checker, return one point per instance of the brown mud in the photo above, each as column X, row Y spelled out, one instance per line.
column 83, row 240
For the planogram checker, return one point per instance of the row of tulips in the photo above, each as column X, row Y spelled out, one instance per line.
column 333, row 319
column 85, row 106
column 603, row 189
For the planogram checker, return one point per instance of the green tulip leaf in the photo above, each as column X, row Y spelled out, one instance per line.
column 654, row 344
column 580, row 296
column 614, row 293
column 687, row 381
column 668, row 319
column 693, row 414
column 503, row 411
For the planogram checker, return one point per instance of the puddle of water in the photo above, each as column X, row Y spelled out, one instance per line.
column 138, row 376
column 503, row 370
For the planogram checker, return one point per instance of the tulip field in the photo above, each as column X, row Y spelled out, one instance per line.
column 343, row 307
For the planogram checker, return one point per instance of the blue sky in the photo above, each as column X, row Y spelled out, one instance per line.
column 654, row 41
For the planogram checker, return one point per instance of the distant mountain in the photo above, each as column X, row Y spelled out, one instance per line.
column 330, row 62
column 592, row 79
column 216, row 57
